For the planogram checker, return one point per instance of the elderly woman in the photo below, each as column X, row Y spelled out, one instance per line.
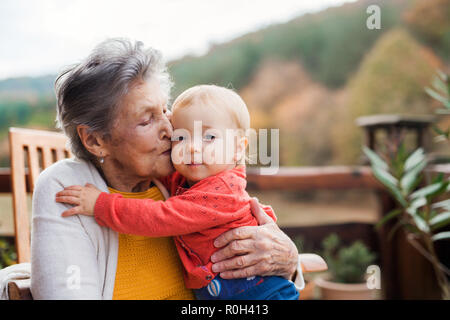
column 113, row 108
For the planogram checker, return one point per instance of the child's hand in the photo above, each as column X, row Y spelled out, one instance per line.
column 83, row 198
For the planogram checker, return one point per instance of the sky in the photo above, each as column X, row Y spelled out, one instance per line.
column 39, row 37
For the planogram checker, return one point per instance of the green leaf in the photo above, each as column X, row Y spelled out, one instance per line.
column 411, row 228
column 398, row 162
column 385, row 177
column 390, row 183
column 444, row 111
column 440, row 220
column 388, row 217
column 416, row 204
column 438, row 178
column 439, row 84
column 436, row 95
column 420, row 223
column 433, row 213
column 414, row 159
column 442, row 204
column 430, row 190
column 438, row 130
column 441, row 235
column 442, row 75
column 375, row 159
column 408, row 180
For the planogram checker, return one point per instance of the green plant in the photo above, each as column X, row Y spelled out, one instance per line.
column 346, row 264
column 441, row 93
column 7, row 254
column 422, row 213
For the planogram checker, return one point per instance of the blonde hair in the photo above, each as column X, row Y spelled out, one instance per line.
column 216, row 97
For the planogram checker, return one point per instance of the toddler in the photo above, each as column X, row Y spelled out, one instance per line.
column 209, row 196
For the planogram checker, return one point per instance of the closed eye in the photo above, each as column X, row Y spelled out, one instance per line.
column 145, row 123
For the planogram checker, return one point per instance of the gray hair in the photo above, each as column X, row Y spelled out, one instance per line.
column 89, row 93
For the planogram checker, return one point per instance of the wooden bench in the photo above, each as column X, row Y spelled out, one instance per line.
column 35, row 150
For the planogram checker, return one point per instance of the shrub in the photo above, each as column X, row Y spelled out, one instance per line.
column 7, row 254
column 346, row 264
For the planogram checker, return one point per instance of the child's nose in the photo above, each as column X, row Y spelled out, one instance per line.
column 195, row 147
column 196, row 152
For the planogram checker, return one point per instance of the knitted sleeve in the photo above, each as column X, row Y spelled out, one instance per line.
column 193, row 211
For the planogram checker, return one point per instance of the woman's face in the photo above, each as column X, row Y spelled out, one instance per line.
column 140, row 145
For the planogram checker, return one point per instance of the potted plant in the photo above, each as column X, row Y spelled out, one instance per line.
column 424, row 214
column 347, row 267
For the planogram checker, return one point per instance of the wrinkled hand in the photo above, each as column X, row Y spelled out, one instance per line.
column 83, row 198
column 255, row 250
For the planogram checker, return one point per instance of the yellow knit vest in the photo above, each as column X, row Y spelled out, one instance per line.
column 148, row 268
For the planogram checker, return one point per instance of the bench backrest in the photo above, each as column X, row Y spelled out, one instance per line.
column 31, row 151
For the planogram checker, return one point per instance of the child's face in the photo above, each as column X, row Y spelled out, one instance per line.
column 202, row 142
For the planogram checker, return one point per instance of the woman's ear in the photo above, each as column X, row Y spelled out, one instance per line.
column 92, row 141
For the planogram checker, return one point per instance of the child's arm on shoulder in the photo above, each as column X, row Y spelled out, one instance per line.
column 83, row 199
column 177, row 215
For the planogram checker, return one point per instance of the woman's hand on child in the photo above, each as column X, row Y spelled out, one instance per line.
column 83, row 199
column 250, row 251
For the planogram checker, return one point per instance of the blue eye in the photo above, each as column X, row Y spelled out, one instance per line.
column 177, row 138
column 209, row 137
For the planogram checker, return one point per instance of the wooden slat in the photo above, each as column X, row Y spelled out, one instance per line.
column 33, row 164
column 21, row 223
column 47, row 157
column 60, row 154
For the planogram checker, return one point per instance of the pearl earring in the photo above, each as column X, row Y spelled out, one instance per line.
column 101, row 160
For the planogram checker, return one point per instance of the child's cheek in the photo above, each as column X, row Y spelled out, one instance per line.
column 176, row 153
column 211, row 154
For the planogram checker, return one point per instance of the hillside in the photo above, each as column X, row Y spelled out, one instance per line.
column 385, row 83
column 26, row 87
column 330, row 45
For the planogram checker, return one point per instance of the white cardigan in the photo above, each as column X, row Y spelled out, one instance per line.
column 73, row 257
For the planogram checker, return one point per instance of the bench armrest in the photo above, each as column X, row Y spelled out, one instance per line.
column 20, row 289
column 312, row 263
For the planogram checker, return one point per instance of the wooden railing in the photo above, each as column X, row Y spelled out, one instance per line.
column 295, row 178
